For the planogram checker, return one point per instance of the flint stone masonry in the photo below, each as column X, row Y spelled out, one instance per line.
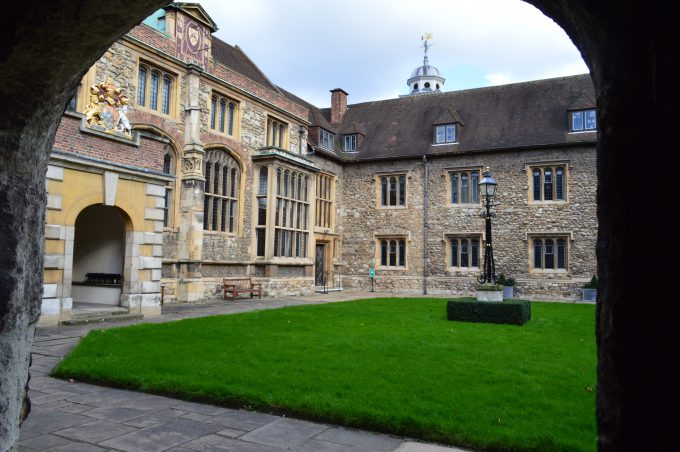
column 517, row 219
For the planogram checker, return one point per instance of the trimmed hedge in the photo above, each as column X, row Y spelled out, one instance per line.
column 515, row 312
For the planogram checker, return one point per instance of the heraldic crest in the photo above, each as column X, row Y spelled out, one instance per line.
column 107, row 110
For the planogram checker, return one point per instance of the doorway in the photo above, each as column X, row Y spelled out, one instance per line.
column 98, row 256
column 319, row 265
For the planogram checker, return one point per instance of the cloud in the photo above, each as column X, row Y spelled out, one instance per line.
column 369, row 48
column 500, row 78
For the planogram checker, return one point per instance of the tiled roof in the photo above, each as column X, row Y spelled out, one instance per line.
column 235, row 59
column 507, row 116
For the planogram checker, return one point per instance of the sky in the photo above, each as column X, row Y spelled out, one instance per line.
column 370, row 47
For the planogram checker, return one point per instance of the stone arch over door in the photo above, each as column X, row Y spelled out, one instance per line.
column 98, row 263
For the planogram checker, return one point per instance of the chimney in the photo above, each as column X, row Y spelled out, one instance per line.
column 338, row 105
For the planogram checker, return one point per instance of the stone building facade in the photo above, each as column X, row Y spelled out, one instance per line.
column 179, row 163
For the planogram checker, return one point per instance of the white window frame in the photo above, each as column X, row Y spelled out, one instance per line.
column 445, row 138
column 351, row 143
column 582, row 125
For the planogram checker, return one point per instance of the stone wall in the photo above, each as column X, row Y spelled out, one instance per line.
column 517, row 218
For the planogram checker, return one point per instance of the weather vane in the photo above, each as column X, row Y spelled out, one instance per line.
column 426, row 37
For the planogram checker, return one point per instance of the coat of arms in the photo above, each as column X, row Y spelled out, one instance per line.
column 107, row 110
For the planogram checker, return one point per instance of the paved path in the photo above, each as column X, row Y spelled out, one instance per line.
column 71, row 416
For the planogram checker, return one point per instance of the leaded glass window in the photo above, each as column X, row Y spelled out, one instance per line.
column 464, row 252
column 222, row 184
column 155, row 89
column 549, row 183
column 393, row 252
column 464, row 187
column 393, row 191
column 550, row 253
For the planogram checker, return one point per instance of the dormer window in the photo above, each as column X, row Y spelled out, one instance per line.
column 351, row 143
column 326, row 139
column 583, row 120
column 445, row 133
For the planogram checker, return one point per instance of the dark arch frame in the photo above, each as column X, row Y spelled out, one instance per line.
column 630, row 48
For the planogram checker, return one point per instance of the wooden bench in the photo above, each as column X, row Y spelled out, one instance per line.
column 235, row 286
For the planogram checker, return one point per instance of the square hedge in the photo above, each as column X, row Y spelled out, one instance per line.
column 514, row 312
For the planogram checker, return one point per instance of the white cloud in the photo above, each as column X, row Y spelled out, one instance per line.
column 500, row 78
column 369, row 48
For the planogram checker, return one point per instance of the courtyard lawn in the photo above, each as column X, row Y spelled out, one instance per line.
column 391, row 365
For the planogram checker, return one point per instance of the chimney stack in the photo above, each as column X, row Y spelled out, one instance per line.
column 338, row 105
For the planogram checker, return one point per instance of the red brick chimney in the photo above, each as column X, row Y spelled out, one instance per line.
column 338, row 105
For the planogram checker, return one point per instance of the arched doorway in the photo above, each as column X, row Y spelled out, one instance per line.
column 98, row 256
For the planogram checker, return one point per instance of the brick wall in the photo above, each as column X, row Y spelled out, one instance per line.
column 69, row 138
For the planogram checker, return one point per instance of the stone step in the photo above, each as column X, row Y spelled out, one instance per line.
column 328, row 289
column 97, row 312
column 117, row 317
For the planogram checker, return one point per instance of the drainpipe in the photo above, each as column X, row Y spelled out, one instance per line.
column 426, row 225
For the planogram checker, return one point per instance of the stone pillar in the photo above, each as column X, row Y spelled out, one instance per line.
column 190, row 244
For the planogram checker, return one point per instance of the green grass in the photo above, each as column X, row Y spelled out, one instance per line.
column 392, row 365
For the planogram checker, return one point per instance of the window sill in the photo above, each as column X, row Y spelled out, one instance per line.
column 549, row 203
column 391, row 207
column 144, row 109
column 391, row 269
column 540, row 271
column 222, row 233
column 464, row 271
column 223, row 134
column 469, row 205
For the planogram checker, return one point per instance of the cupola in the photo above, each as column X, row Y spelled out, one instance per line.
column 426, row 78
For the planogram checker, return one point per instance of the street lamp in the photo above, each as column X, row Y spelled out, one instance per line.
column 487, row 188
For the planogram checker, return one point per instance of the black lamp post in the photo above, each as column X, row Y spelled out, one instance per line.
column 487, row 188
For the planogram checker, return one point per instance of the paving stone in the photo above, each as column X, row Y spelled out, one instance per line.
column 56, row 405
column 42, row 421
column 116, row 413
column 41, row 383
column 95, row 432
column 423, row 447
column 81, row 388
column 77, row 447
column 199, row 408
column 197, row 416
column 243, row 420
column 231, row 432
column 211, row 443
column 76, row 408
column 47, row 398
column 47, row 441
column 105, row 397
column 155, row 418
column 315, row 445
column 161, row 437
column 356, row 438
column 284, row 433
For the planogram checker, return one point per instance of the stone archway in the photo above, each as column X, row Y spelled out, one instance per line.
column 630, row 47
column 98, row 256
